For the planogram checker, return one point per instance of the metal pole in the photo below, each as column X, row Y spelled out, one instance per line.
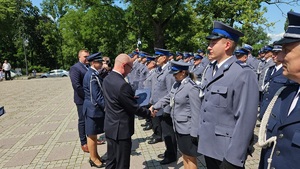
column 25, row 45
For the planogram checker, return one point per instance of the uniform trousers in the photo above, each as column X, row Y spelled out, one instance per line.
column 118, row 153
column 156, row 127
column 169, row 137
column 81, row 124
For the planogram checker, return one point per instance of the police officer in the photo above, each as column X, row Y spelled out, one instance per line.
column 229, row 103
column 251, row 61
column 198, row 68
column 162, row 86
column 274, row 80
column 280, row 135
column 268, row 63
column 93, row 107
column 184, row 101
column 242, row 55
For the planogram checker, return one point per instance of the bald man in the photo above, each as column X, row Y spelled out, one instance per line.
column 120, row 106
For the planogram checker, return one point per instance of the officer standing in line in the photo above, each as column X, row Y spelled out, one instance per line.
column 147, row 84
column 162, row 86
column 131, row 75
column 280, row 135
column 268, row 63
column 274, row 80
column 229, row 103
column 251, row 61
column 179, row 56
column 197, row 68
column 184, row 101
column 242, row 55
column 93, row 107
column 142, row 70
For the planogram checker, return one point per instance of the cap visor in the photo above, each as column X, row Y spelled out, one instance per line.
column 173, row 71
column 212, row 37
column 286, row 40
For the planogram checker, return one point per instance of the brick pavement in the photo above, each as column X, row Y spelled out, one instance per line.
column 39, row 130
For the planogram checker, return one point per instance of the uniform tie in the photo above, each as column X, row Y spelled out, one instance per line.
column 215, row 70
column 295, row 104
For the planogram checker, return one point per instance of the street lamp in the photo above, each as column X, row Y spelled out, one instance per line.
column 26, row 42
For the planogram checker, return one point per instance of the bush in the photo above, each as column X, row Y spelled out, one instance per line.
column 38, row 69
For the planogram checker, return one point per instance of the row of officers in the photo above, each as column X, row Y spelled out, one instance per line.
column 208, row 105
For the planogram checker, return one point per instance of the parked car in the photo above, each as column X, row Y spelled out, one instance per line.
column 14, row 73
column 56, row 73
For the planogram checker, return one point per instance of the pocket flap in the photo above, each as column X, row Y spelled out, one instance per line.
column 296, row 138
column 223, row 131
column 181, row 118
column 271, row 124
column 219, row 89
column 282, row 80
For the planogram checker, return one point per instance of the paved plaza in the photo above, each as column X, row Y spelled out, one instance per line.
column 39, row 130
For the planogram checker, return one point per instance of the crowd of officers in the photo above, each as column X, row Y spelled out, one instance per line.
column 207, row 103
column 154, row 72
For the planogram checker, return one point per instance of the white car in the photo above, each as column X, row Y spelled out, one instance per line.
column 56, row 73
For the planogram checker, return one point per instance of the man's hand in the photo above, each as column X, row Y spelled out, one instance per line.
column 153, row 112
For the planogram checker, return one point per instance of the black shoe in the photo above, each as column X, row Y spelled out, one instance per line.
column 150, row 137
column 149, row 127
column 166, row 161
column 97, row 166
column 162, row 156
column 145, row 124
column 155, row 140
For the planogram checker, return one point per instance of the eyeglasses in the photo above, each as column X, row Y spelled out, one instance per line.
column 129, row 66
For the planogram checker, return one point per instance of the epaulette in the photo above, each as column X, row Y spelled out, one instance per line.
column 191, row 81
column 242, row 64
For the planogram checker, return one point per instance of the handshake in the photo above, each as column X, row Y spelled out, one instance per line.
column 153, row 112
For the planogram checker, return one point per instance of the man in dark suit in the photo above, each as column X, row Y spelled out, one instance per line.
column 77, row 72
column 279, row 134
column 120, row 108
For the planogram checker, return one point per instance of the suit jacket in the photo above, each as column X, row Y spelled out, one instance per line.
column 228, row 112
column 287, row 129
column 93, row 105
column 184, row 100
column 275, row 82
column 120, row 107
column 77, row 72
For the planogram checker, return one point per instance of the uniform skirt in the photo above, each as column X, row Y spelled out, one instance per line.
column 185, row 145
column 94, row 126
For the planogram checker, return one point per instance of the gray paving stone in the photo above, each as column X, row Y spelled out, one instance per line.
column 8, row 142
column 68, row 136
column 22, row 158
column 22, row 129
column 49, row 126
column 38, row 140
column 60, row 153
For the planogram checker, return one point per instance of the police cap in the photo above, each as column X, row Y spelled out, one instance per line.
column 95, row 57
column 292, row 33
column 177, row 66
column 222, row 30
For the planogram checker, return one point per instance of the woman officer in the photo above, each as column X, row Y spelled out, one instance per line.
column 93, row 107
column 184, row 101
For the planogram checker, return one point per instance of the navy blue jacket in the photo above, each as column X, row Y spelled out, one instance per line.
column 275, row 81
column 93, row 105
column 287, row 129
column 77, row 72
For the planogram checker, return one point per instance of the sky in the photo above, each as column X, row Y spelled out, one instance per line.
column 276, row 14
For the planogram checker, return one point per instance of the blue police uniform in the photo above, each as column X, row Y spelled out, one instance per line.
column 268, row 63
column 283, row 124
column 184, row 101
column 93, row 105
column 229, row 107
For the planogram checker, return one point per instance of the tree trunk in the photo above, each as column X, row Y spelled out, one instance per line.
column 159, row 40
